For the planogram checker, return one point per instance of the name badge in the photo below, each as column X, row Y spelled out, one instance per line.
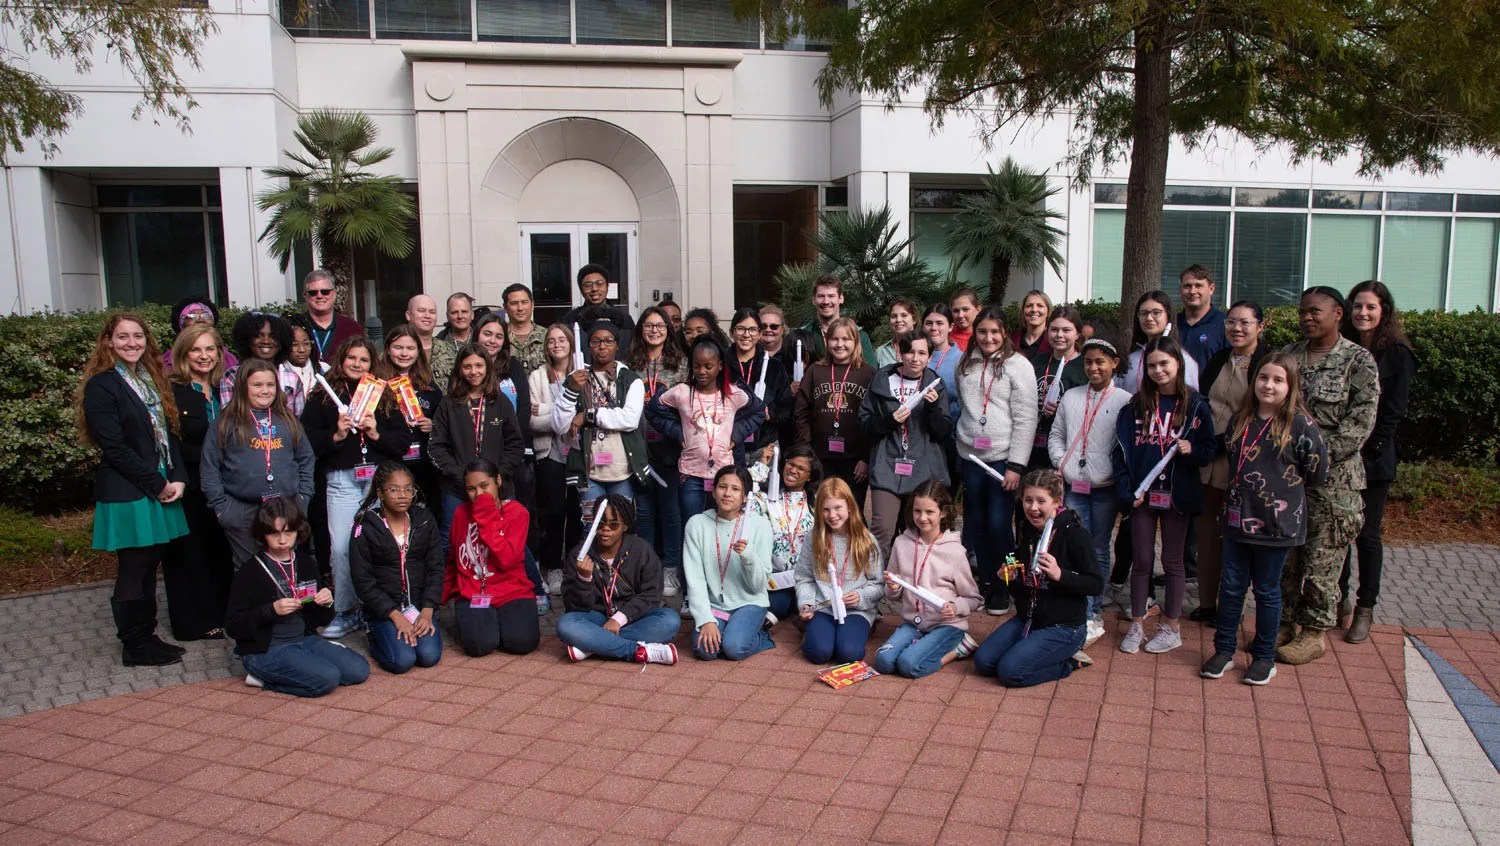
column 835, row 444
column 305, row 591
column 413, row 452
column 364, row 472
column 904, row 468
column 1233, row 516
column 981, row 443
column 479, row 600
column 1082, row 487
column 604, row 459
column 653, row 436
column 411, row 613
column 708, row 484
column 1159, row 499
column 1041, row 441
column 721, row 616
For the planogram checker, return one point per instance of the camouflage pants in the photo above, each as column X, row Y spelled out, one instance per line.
column 1310, row 581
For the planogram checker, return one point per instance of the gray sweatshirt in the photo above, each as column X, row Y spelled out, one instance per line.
column 237, row 470
column 811, row 590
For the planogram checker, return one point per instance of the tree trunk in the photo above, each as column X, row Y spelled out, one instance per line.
column 338, row 261
column 1150, row 143
column 999, row 280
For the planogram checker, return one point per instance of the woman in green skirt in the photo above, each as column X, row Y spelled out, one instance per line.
column 125, row 408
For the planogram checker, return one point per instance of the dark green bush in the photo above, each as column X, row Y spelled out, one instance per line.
column 1470, row 492
column 1455, row 399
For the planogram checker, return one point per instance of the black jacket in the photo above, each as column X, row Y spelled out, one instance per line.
column 522, row 405
column 778, row 398
column 1064, row 602
column 321, row 417
column 375, row 563
column 120, row 424
column 252, row 594
column 192, row 416
column 637, row 590
column 1397, row 368
column 452, row 443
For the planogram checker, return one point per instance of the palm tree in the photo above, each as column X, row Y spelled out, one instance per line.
column 861, row 248
column 331, row 199
column 1008, row 224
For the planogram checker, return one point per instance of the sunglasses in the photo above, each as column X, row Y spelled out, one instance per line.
column 770, row 327
column 319, row 292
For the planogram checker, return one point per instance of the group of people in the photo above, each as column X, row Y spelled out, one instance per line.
column 307, row 484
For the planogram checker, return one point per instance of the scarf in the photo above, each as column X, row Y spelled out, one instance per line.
column 146, row 391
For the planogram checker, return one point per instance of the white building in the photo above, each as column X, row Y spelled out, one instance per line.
column 662, row 137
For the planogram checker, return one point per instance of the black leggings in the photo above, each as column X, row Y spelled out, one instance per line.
column 844, row 469
column 1369, row 546
column 512, row 627
column 553, row 527
column 136, row 578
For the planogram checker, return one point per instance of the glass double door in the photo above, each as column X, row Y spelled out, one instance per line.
column 551, row 255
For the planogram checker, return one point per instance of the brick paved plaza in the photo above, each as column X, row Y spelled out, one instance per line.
column 1376, row 743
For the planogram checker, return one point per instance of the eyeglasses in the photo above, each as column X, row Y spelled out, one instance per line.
column 746, row 330
column 1152, row 312
column 658, row 325
column 404, row 490
column 592, row 283
column 319, row 292
column 1241, row 324
column 297, row 345
column 601, row 342
column 770, row 327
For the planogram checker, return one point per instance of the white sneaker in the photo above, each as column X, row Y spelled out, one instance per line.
column 671, row 583
column 252, row 681
column 577, row 654
column 1081, row 659
column 656, row 653
column 1131, row 643
column 771, row 621
column 554, row 582
column 1166, row 639
column 1095, row 631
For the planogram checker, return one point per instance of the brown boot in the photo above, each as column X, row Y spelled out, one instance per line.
column 1306, row 647
column 1284, row 634
column 1359, row 630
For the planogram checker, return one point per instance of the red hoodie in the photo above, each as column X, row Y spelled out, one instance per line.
column 491, row 539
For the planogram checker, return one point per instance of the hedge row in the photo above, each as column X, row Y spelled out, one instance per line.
column 1455, row 401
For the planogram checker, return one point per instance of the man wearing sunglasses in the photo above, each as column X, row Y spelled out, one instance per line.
column 329, row 328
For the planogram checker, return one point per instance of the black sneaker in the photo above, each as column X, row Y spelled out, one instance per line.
column 998, row 603
column 1216, row 666
column 1261, row 671
column 1208, row 616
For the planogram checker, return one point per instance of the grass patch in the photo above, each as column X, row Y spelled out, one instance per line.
column 1471, row 494
column 25, row 538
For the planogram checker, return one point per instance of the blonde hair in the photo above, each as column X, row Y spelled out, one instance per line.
column 186, row 339
column 861, row 544
column 847, row 324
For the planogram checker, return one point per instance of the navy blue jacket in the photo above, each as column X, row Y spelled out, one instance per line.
column 1142, row 452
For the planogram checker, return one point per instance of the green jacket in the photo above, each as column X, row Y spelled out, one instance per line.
column 1341, row 392
column 633, row 439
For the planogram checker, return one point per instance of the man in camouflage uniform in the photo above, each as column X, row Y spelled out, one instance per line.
column 1341, row 389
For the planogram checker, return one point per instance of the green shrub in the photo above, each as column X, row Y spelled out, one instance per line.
column 23, row 539
column 1470, row 492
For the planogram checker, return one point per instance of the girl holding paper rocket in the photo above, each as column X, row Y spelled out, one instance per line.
column 906, row 417
column 1042, row 642
column 1166, row 421
column 1058, row 371
column 486, row 578
column 996, row 390
column 658, row 357
column 403, row 357
column 838, row 579
column 726, row 557
column 930, row 558
column 347, row 452
column 791, row 517
column 827, row 404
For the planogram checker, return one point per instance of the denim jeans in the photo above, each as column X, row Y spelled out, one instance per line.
column 659, row 521
column 913, row 654
column 584, row 630
column 1245, row 565
column 691, row 497
column 987, row 533
column 824, row 639
column 1037, row 658
column 1097, row 511
column 344, row 498
column 783, row 603
column 743, row 636
column 310, row 667
column 394, row 655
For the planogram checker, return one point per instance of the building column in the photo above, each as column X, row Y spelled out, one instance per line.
column 30, row 279
column 871, row 189
column 255, row 277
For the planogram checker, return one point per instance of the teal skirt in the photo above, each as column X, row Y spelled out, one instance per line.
column 143, row 522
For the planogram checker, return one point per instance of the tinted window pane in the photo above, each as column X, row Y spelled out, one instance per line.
column 523, row 20
column 711, row 23
column 1268, row 257
column 1343, row 249
column 1483, row 203
column 1193, row 237
column 1109, row 193
column 612, row 249
column 622, row 22
column 327, row 18
column 149, row 196
column 938, row 198
column 1353, row 200
column 1398, row 201
column 1197, row 195
column 1109, row 254
column 153, row 257
column 1474, row 243
column 433, row 19
column 1274, row 198
column 551, row 275
column 929, row 245
column 1415, row 266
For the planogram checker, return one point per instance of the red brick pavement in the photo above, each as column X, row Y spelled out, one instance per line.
column 534, row 749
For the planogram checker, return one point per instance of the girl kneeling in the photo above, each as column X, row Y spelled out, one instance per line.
column 494, row 600
column 276, row 606
column 613, row 595
column 1042, row 642
column 726, row 557
column 931, row 556
column 396, row 562
column 840, row 563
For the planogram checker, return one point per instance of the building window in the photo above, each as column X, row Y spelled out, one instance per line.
column 1474, row 248
column 711, row 23
column 1268, row 256
column 1415, row 260
column 326, row 18
column 1344, row 250
column 1193, row 237
column 524, row 20
column 161, row 243
column 930, row 246
column 622, row 22
column 429, row 19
